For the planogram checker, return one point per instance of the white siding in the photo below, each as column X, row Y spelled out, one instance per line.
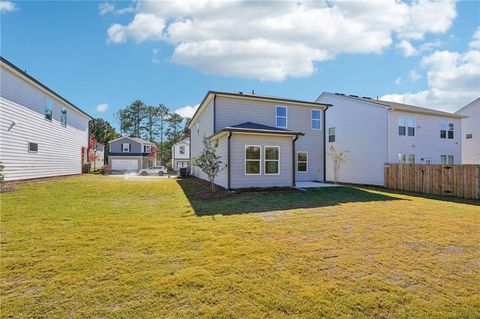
column 59, row 148
column 427, row 142
column 471, row 125
column 222, row 151
column 361, row 129
column 176, row 151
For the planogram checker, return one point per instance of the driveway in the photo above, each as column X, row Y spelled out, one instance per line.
column 135, row 176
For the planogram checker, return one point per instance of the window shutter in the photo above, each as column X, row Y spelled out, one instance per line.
column 129, row 147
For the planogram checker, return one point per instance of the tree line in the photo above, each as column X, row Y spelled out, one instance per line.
column 156, row 124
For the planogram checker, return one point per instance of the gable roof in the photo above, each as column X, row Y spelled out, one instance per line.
column 186, row 140
column 211, row 94
column 396, row 106
column 136, row 139
column 24, row 74
column 468, row 105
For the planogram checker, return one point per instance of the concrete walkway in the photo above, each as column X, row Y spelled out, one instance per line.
column 303, row 185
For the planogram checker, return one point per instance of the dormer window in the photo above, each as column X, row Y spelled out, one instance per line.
column 126, row 147
column 48, row 109
column 147, row 148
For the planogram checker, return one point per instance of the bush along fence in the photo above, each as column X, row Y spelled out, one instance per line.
column 460, row 180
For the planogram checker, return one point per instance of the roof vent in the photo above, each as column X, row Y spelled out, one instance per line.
column 367, row 97
column 240, row 92
column 339, row 94
column 353, row 95
column 253, row 91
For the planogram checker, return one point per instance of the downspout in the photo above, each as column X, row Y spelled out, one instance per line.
column 190, row 152
column 228, row 160
column 389, row 111
column 293, row 161
column 214, row 114
column 325, row 144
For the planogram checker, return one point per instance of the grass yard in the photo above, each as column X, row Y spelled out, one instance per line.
column 102, row 247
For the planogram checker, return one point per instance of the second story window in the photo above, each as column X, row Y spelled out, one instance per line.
column 406, row 126
column 147, row 148
column 63, row 118
column 281, row 116
column 446, row 129
column 125, row 147
column 181, row 150
column 315, row 120
column 48, row 109
column 331, row 134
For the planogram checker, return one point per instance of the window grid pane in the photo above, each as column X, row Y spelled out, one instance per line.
column 302, row 160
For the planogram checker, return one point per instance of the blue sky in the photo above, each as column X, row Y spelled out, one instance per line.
column 112, row 53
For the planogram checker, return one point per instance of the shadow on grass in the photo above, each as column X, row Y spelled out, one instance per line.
column 230, row 203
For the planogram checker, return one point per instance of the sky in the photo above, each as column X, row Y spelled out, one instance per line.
column 104, row 55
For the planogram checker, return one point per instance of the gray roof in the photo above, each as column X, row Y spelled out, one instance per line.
column 399, row 106
column 136, row 139
column 259, row 128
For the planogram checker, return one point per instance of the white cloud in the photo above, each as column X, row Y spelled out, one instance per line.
column 102, row 108
column 407, row 48
column 155, row 56
column 414, row 76
column 398, row 81
column 273, row 40
column 107, row 7
column 187, row 111
column 475, row 43
column 453, row 80
column 7, row 6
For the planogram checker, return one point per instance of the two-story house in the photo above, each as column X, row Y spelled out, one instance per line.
column 42, row 133
column 130, row 154
column 471, row 132
column 262, row 141
column 375, row 132
column 181, row 154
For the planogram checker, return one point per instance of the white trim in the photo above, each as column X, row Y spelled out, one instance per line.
column 406, row 126
column 306, row 162
column 286, row 116
column 265, row 160
column 245, row 161
column 319, row 120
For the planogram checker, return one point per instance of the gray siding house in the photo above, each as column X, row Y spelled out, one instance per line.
column 130, row 154
column 262, row 141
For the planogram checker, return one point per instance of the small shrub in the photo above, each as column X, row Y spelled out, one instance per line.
column 105, row 170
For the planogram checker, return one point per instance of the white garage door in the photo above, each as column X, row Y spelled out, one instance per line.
column 124, row 164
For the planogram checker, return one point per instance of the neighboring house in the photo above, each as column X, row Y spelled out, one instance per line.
column 42, row 133
column 130, row 154
column 181, row 154
column 376, row 132
column 100, row 152
column 471, row 132
column 262, row 141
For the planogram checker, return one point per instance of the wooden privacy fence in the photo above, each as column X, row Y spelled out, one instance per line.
column 460, row 180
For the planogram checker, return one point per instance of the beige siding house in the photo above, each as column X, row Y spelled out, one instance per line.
column 262, row 141
column 41, row 133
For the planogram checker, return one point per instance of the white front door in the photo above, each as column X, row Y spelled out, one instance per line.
column 124, row 164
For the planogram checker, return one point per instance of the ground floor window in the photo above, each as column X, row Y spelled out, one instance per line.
column 252, row 159
column 302, row 161
column 406, row 158
column 447, row 159
column 272, row 160
column 427, row 160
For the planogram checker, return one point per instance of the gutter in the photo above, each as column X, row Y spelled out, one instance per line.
column 214, row 113
column 228, row 160
column 293, row 161
column 325, row 144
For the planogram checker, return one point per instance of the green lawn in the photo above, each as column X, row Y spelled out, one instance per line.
column 103, row 247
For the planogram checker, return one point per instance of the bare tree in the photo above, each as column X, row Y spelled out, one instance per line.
column 209, row 162
column 338, row 157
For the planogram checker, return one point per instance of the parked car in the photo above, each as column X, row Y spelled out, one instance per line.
column 159, row 170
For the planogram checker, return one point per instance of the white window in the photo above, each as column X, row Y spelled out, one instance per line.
column 252, row 159
column 411, row 159
column 125, row 147
column 32, row 147
column 446, row 129
column 147, row 148
column 316, row 119
column 48, row 109
column 331, row 134
column 302, row 161
column 402, row 158
column 181, row 149
column 63, row 118
column 447, row 159
column 406, row 126
column 427, row 160
column 281, row 116
column 272, row 160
